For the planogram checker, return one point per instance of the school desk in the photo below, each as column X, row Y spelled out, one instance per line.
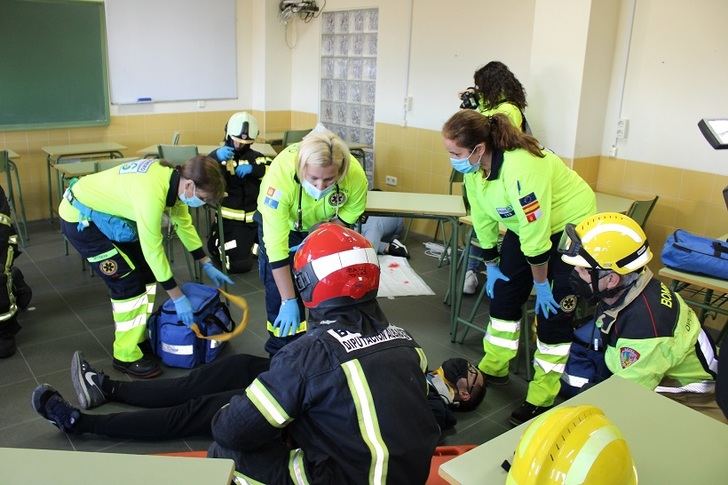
column 264, row 148
column 446, row 208
column 21, row 466
column 56, row 154
column 669, row 442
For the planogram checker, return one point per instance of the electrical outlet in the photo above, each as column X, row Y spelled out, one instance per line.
column 622, row 128
column 390, row 180
column 408, row 103
column 201, row 103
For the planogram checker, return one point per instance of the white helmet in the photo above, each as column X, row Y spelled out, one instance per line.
column 243, row 127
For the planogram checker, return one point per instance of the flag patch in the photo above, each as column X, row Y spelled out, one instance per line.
column 531, row 207
column 628, row 356
column 272, row 197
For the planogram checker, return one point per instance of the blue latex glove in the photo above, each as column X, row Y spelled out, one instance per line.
column 293, row 249
column 288, row 318
column 215, row 275
column 184, row 310
column 493, row 274
column 243, row 169
column 224, row 153
column 545, row 302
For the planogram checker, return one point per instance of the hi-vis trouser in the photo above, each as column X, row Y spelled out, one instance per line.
column 554, row 333
column 131, row 283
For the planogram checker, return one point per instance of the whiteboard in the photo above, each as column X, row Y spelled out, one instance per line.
column 171, row 50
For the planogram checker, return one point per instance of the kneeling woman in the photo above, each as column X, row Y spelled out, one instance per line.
column 140, row 192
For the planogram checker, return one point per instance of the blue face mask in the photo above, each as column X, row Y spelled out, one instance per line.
column 193, row 201
column 315, row 193
column 463, row 165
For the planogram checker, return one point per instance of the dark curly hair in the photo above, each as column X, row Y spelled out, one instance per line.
column 496, row 83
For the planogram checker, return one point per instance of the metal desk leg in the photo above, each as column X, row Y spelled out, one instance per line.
column 453, row 265
column 50, row 188
column 462, row 267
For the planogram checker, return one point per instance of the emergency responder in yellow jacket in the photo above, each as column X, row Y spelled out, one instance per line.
column 651, row 335
column 314, row 181
column 140, row 191
column 511, row 180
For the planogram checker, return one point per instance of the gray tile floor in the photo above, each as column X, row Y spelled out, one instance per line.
column 71, row 311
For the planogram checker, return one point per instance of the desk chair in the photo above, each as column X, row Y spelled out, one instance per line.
column 641, row 209
column 294, row 136
column 21, row 223
column 177, row 154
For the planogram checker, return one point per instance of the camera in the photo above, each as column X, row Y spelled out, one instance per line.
column 469, row 99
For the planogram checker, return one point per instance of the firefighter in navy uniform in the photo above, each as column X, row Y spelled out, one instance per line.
column 14, row 293
column 243, row 168
column 346, row 402
column 651, row 335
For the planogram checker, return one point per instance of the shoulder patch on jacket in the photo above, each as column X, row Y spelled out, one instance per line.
column 272, row 197
column 531, row 207
column 628, row 356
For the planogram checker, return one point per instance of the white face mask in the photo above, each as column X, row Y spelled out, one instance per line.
column 315, row 193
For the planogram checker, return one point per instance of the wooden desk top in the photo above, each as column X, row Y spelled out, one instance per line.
column 612, row 203
column 670, row 443
column 415, row 203
column 82, row 149
column 11, row 154
column 22, row 466
column 707, row 282
column 271, row 137
column 263, row 148
column 87, row 167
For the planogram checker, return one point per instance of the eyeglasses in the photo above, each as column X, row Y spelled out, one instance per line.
column 472, row 371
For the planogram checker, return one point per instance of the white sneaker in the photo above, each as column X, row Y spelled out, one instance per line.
column 471, row 282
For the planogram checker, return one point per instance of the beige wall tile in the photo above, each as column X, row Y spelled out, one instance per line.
column 611, row 174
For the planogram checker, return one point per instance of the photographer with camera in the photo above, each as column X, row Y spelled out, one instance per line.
column 497, row 90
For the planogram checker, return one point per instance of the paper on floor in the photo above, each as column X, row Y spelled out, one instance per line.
column 399, row 279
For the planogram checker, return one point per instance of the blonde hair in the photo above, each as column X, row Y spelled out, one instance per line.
column 322, row 149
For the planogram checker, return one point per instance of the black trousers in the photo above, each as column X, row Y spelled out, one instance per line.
column 184, row 406
column 511, row 295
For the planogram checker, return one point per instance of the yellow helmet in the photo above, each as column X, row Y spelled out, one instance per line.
column 609, row 241
column 572, row 445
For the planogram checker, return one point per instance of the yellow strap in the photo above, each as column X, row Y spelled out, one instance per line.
column 239, row 302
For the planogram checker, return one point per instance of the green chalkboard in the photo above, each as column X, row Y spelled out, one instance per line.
column 52, row 64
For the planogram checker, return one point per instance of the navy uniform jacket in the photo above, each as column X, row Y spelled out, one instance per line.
column 351, row 393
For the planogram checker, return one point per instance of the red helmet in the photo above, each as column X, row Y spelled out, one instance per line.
column 335, row 262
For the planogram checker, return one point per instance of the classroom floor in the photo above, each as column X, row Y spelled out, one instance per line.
column 70, row 311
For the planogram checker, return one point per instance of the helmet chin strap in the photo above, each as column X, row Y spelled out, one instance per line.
column 608, row 293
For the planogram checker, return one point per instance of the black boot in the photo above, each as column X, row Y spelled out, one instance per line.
column 7, row 347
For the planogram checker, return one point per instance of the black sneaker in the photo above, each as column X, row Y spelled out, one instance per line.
column 396, row 248
column 87, row 382
column 50, row 404
column 496, row 380
column 525, row 412
column 144, row 368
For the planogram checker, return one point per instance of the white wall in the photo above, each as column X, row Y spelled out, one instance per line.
column 677, row 74
column 446, row 48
